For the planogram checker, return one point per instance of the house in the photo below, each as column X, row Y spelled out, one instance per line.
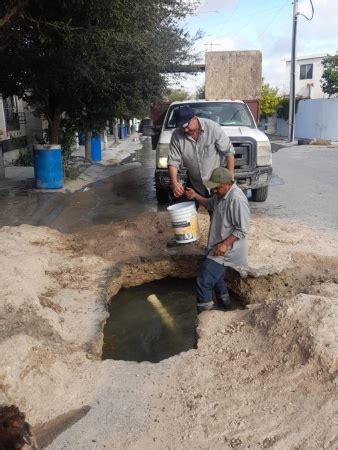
column 19, row 127
column 309, row 71
column 12, row 127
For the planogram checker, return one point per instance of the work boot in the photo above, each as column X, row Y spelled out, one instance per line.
column 206, row 306
column 224, row 301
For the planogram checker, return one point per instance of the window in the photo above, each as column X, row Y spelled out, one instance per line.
column 306, row 72
column 11, row 115
column 224, row 113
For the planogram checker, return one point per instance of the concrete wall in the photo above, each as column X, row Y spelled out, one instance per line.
column 235, row 75
column 316, row 118
column 302, row 87
column 35, row 126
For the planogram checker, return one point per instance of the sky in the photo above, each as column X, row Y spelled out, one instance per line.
column 264, row 25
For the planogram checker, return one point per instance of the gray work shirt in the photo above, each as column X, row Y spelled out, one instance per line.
column 231, row 216
column 203, row 156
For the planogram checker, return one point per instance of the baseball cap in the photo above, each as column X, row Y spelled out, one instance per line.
column 183, row 115
column 218, row 176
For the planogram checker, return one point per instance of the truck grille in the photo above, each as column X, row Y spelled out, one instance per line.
column 244, row 156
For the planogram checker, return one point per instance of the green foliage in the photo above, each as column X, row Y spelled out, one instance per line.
column 25, row 158
column 67, row 143
column 283, row 109
column 200, row 92
column 91, row 60
column 329, row 80
column 270, row 100
column 176, row 95
column 71, row 172
column 42, row 140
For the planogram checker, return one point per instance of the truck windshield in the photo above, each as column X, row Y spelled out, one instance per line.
column 224, row 113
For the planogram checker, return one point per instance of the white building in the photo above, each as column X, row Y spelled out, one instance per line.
column 309, row 71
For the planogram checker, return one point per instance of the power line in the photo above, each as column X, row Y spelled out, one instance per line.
column 313, row 12
column 211, row 44
column 273, row 20
column 255, row 15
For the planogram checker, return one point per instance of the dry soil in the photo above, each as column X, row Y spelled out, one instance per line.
column 261, row 377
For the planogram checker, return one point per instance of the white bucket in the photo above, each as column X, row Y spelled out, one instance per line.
column 184, row 221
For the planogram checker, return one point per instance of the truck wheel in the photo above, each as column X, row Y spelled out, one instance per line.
column 162, row 195
column 261, row 194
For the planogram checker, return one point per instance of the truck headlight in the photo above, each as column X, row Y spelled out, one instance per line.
column 264, row 155
column 162, row 162
column 162, row 155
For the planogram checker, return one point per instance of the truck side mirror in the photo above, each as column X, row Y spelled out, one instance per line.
column 148, row 130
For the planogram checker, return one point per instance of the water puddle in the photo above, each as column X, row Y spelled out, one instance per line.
column 151, row 322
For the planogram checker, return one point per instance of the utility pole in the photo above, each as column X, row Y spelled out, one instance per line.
column 292, row 102
column 211, row 44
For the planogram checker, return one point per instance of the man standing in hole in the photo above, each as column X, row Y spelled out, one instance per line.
column 228, row 237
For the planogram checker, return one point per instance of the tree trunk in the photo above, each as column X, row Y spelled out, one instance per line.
column 122, row 129
column 116, row 132
column 54, row 127
column 88, row 156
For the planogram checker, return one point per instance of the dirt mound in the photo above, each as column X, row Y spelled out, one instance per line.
column 261, row 377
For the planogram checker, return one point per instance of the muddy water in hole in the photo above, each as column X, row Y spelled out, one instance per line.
column 142, row 330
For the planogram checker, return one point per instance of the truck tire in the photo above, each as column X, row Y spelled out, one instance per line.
column 260, row 195
column 162, row 195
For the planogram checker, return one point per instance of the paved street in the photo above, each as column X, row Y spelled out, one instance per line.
column 304, row 187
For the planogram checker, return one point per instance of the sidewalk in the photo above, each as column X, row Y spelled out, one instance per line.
column 111, row 164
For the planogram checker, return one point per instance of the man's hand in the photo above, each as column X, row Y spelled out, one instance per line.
column 190, row 193
column 178, row 189
column 221, row 248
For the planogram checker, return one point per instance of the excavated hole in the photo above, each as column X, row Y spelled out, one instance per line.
column 141, row 330
column 138, row 330
column 152, row 321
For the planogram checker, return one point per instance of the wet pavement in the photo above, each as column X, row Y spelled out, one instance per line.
column 112, row 199
column 304, row 187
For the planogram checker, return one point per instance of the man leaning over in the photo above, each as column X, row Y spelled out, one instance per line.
column 201, row 146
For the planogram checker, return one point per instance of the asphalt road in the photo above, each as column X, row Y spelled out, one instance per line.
column 304, row 186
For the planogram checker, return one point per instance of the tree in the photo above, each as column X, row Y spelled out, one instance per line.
column 270, row 100
column 176, row 95
column 329, row 80
column 9, row 9
column 87, row 59
column 200, row 92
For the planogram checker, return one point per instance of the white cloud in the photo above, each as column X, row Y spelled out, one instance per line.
column 207, row 6
column 269, row 30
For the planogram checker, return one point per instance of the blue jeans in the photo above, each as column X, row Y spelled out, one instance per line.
column 210, row 276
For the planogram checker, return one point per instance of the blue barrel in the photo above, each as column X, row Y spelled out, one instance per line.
column 96, row 148
column 82, row 138
column 48, row 168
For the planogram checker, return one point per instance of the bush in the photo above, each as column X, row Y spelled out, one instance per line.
column 283, row 109
column 67, row 142
column 25, row 158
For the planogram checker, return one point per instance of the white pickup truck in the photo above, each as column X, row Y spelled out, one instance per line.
column 253, row 158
